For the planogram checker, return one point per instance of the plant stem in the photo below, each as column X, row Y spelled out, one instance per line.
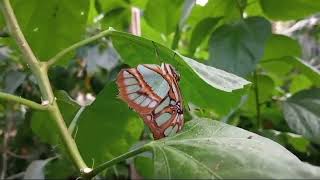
column 114, row 161
column 65, row 51
column 241, row 6
column 26, row 51
column 256, row 93
column 40, row 71
column 23, row 101
column 66, row 137
column 176, row 38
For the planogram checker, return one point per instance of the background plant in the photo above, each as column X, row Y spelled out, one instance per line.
column 72, row 40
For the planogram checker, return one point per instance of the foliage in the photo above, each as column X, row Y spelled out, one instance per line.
column 217, row 49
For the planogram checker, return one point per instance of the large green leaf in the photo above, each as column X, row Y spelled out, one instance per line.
column 289, row 62
column 266, row 88
column 41, row 121
column 163, row 15
column 298, row 83
column 289, row 9
column 286, row 139
column 107, row 128
column 51, row 25
column 194, row 89
column 238, row 47
column 228, row 9
column 253, row 8
column 302, row 113
column 116, row 13
column 279, row 46
column 202, row 31
column 211, row 149
column 186, row 10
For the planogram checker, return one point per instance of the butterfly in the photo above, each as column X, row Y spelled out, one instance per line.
column 153, row 91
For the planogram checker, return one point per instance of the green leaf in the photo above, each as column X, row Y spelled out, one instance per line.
column 228, row 9
column 186, row 10
column 150, row 33
column 302, row 114
column 139, row 3
column 41, row 121
column 163, row 15
column 309, row 71
column 215, row 77
column 116, row 13
column 277, row 70
column 289, row 9
column 60, row 168
column 277, row 47
column 107, row 128
column 266, row 88
column 47, row 24
column 201, row 31
column 237, row 48
column 204, row 95
column 144, row 165
column 296, row 141
column 253, row 8
column 208, row 149
column 280, row 46
column 92, row 12
column 299, row 83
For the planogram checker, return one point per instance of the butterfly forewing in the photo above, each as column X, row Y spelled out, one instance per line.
column 154, row 93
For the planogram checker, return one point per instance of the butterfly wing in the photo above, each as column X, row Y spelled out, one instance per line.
column 154, row 93
column 142, row 88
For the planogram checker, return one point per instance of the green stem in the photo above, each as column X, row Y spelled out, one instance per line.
column 176, row 39
column 23, row 101
column 62, row 53
column 67, row 140
column 26, row 51
column 114, row 161
column 257, row 100
column 241, row 6
column 40, row 71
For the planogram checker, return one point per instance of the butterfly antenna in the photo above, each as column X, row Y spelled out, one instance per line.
column 156, row 51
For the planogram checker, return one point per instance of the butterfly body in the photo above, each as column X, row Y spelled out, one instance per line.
column 153, row 92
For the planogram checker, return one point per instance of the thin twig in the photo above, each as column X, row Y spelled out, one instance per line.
column 23, row 101
column 114, row 161
column 257, row 100
column 176, row 38
column 62, row 53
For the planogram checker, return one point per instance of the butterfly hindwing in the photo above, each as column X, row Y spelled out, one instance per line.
column 153, row 92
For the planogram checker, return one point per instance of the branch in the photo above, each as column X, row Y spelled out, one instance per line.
column 40, row 71
column 114, row 161
column 62, row 53
column 23, row 101
column 16, row 33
